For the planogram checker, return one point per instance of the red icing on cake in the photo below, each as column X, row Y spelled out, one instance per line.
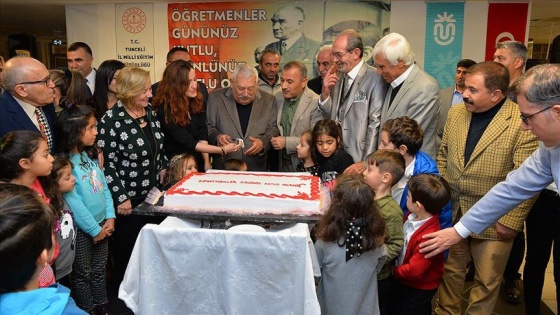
column 314, row 193
column 246, row 192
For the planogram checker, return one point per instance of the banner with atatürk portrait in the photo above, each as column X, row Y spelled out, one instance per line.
column 218, row 36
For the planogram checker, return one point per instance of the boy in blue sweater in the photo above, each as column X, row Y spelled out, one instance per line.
column 405, row 136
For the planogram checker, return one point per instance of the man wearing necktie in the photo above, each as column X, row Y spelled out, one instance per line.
column 287, row 25
column 352, row 95
column 80, row 58
column 297, row 113
column 27, row 103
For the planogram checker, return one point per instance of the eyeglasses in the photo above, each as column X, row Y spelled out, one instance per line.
column 525, row 119
column 45, row 81
column 338, row 54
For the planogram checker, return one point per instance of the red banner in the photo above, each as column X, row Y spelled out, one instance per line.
column 221, row 35
column 506, row 21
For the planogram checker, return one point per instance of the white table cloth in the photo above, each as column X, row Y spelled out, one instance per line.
column 178, row 268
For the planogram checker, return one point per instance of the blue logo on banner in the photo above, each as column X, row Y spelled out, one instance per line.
column 444, row 40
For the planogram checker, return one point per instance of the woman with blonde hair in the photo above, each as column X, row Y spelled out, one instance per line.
column 131, row 138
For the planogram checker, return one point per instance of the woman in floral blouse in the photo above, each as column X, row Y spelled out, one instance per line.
column 131, row 138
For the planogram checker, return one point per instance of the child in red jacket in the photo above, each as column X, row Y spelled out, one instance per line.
column 417, row 278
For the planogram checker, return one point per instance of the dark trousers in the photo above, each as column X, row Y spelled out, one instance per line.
column 127, row 228
column 515, row 260
column 384, row 294
column 406, row 300
column 543, row 229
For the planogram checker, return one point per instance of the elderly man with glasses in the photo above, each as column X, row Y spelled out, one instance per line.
column 27, row 103
column 352, row 95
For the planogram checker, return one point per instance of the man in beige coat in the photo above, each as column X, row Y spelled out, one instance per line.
column 297, row 112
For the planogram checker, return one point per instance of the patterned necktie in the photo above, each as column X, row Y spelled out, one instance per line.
column 283, row 47
column 346, row 86
column 343, row 97
column 44, row 127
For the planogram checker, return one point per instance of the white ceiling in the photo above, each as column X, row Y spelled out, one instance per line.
column 47, row 18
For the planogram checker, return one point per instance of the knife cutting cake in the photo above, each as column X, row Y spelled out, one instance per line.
column 246, row 193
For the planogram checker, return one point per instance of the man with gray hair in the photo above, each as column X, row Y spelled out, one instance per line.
column 412, row 91
column 27, row 102
column 352, row 95
column 324, row 64
column 241, row 111
column 513, row 55
column 292, row 44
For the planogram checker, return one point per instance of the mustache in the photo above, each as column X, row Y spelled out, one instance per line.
column 468, row 100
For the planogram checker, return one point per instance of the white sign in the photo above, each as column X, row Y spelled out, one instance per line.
column 135, row 33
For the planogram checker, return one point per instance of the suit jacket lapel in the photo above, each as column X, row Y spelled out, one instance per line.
column 255, row 112
column 296, row 51
column 497, row 126
column 304, row 103
column 462, row 131
column 355, row 87
column 19, row 115
column 403, row 90
column 231, row 108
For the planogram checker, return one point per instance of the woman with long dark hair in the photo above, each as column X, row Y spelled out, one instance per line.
column 180, row 110
column 105, row 95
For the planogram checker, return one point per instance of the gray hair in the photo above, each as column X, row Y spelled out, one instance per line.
column 323, row 48
column 540, row 85
column 395, row 47
column 16, row 70
column 244, row 71
column 518, row 49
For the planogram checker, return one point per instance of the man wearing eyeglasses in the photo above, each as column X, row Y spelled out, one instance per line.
column 243, row 112
column 352, row 95
column 27, row 103
column 481, row 144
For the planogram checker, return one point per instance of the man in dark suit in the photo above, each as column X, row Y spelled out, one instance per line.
column 324, row 64
column 80, row 58
column 412, row 91
column 287, row 25
column 352, row 95
column 180, row 53
column 242, row 112
column 27, row 102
